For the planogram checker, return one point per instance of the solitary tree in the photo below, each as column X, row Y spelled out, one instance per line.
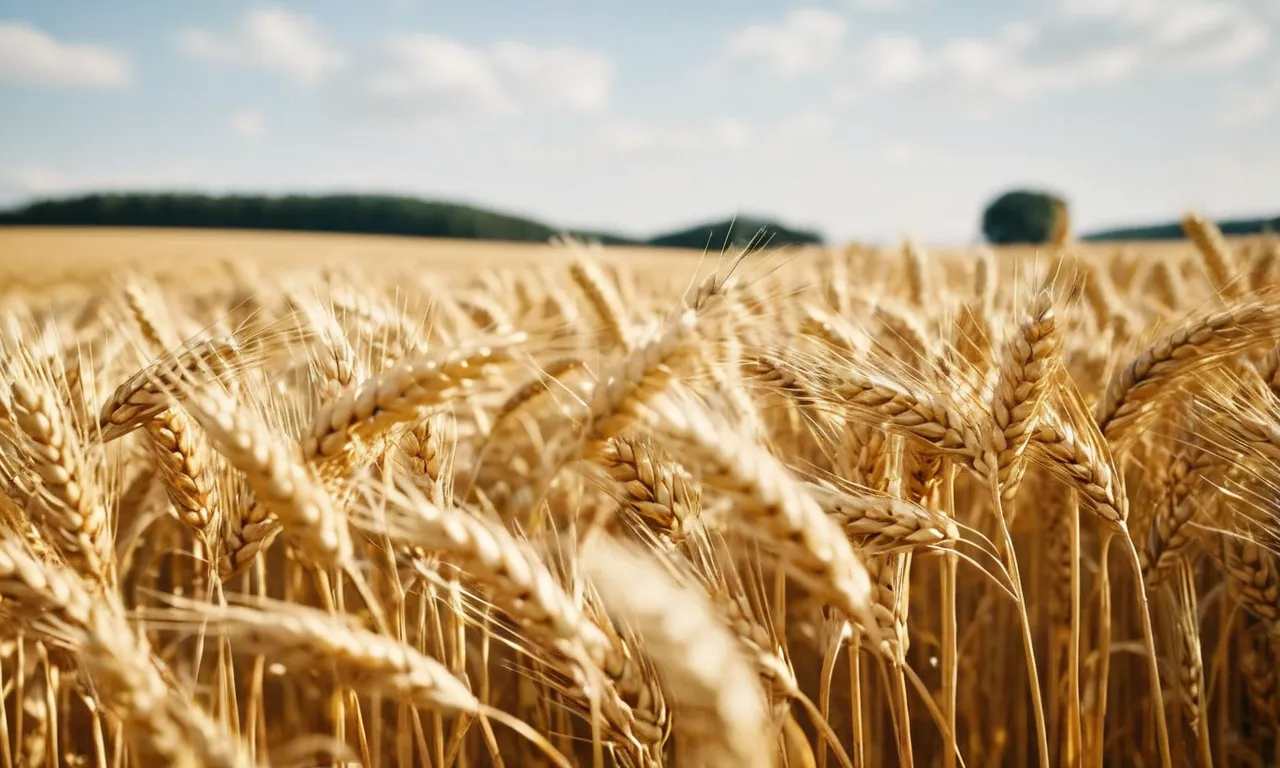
column 1025, row 216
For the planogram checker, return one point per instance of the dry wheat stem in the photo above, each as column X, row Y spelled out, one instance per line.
column 57, row 605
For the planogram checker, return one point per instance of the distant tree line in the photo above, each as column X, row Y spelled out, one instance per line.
column 1018, row 216
column 745, row 232
column 1174, row 231
column 1036, row 217
column 366, row 214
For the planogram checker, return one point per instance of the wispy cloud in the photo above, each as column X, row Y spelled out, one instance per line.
column 878, row 6
column 422, row 72
column 638, row 138
column 987, row 70
column 1179, row 35
column 1253, row 102
column 39, row 179
column 807, row 40
column 804, row 126
column 29, row 56
column 1074, row 44
column 248, row 123
column 903, row 154
column 287, row 43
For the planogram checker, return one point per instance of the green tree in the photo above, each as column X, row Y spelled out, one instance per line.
column 1025, row 216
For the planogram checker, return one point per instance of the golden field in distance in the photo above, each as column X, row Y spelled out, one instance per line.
column 44, row 256
column 40, row 257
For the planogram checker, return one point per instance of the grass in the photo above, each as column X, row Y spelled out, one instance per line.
column 275, row 499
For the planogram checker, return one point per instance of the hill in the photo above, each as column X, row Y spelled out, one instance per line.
column 1173, row 230
column 357, row 214
column 365, row 214
column 739, row 232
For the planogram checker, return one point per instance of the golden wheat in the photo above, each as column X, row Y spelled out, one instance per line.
column 834, row 506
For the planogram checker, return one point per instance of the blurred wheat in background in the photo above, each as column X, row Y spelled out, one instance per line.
column 810, row 507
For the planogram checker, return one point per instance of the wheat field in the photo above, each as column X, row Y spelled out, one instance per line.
column 299, row 500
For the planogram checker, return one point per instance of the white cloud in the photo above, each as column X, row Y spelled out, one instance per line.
column 1008, row 66
column 878, row 6
column 1229, row 49
column 1019, row 33
column 808, row 40
column 248, row 123
column 999, row 71
column 730, row 134
column 805, row 126
column 1178, row 35
column 1126, row 11
column 903, row 154
column 290, row 44
column 724, row 135
column 39, row 180
column 1252, row 103
column 635, row 138
column 28, row 56
column 446, row 76
column 892, row 59
column 32, row 179
column 1080, row 43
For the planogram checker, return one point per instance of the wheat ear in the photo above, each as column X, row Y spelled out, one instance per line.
column 702, row 664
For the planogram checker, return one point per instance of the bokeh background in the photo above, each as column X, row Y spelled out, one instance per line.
column 851, row 119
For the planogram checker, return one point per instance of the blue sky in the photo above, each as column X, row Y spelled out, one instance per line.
column 863, row 118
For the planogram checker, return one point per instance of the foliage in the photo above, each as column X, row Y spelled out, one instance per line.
column 381, row 214
column 741, row 232
column 1173, row 230
column 365, row 214
column 1024, row 216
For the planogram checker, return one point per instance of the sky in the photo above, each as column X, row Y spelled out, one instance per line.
column 864, row 119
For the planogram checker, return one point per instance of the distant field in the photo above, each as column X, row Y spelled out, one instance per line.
column 42, row 256
column 35, row 257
